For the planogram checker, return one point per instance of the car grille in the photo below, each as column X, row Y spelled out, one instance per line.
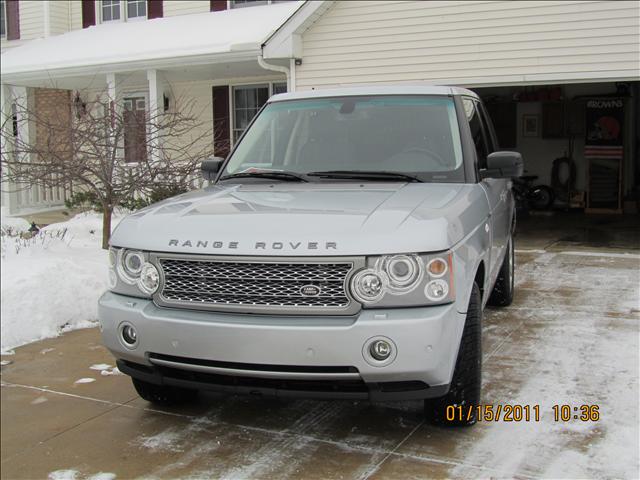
column 255, row 286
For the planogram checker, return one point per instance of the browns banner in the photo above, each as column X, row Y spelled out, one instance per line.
column 603, row 151
column 604, row 129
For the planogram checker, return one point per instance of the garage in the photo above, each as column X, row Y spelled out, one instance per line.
column 579, row 141
column 560, row 79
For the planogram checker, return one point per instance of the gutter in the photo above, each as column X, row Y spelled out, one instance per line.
column 277, row 68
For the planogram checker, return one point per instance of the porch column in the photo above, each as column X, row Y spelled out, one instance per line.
column 9, row 196
column 114, row 102
column 113, row 92
column 26, row 194
column 156, row 109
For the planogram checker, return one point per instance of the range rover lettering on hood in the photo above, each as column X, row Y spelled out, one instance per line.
column 256, row 245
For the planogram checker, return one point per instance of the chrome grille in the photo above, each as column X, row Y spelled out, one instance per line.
column 218, row 284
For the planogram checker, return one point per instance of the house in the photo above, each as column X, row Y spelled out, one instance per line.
column 148, row 53
column 560, row 78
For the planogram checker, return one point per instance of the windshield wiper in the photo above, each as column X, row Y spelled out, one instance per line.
column 366, row 175
column 284, row 176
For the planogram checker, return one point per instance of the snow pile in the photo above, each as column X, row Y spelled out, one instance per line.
column 51, row 283
column 12, row 226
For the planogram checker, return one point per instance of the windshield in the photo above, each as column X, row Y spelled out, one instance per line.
column 415, row 135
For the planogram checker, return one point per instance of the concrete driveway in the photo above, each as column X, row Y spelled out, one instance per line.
column 570, row 338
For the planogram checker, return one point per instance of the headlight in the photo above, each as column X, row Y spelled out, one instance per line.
column 132, row 274
column 149, row 280
column 368, row 286
column 129, row 265
column 404, row 271
column 406, row 280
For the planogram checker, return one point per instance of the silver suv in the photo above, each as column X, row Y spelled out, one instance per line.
column 344, row 249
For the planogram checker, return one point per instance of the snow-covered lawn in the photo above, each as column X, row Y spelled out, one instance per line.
column 51, row 283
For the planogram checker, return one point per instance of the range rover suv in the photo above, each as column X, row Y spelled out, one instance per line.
column 345, row 248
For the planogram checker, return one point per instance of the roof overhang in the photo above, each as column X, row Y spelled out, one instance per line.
column 286, row 41
column 220, row 38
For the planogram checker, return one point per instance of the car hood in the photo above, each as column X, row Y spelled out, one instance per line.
column 299, row 219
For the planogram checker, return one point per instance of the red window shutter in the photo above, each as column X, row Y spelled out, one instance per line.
column 13, row 19
column 154, row 9
column 88, row 13
column 221, row 131
column 217, row 5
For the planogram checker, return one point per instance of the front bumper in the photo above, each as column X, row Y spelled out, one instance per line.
column 322, row 357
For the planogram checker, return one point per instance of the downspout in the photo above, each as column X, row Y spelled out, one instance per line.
column 277, row 68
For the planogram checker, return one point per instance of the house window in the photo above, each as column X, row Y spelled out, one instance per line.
column 136, row 9
column 253, row 3
column 279, row 88
column 247, row 102
column 110, row 10
column 246, row 3
column 115, row 11
column 3, row 19
column 135, row 130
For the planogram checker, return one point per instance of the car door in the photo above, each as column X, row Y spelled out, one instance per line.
column 493, row 188
column 500, row 187
column 508, row 202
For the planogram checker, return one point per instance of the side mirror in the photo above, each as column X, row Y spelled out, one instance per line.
column 211, row 167
column 503, row 165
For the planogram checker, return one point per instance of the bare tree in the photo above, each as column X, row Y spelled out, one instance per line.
column 109, row 148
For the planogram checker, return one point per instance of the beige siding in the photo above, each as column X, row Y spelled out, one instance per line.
column 59, row 17
column 31, row 19
column 471, row 43
column 184, row 7
column 75, row 14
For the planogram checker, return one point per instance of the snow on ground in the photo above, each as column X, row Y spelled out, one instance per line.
column 51, row 283
column 13, row 225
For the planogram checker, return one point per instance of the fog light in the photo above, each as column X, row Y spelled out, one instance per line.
column 380, row 350
column 129, row 335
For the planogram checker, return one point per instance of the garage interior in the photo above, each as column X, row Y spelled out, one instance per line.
column 593, row 125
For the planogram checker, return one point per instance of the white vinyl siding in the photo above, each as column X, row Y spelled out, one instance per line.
column 471, row 43
column 184, row 7
column 59, row 17
column 75, row 14
column 31, row 19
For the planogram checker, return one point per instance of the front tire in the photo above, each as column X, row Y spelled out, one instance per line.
column 502, row 293
column 467, row 376
column 162, row 394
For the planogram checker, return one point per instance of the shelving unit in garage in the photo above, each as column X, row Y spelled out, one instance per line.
column 604, row 153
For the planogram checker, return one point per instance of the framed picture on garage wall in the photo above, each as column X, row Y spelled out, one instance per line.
column 531, row 125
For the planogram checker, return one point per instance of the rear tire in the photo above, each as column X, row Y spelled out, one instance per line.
column 502, row 293
column 465, row 385
column 163, row 394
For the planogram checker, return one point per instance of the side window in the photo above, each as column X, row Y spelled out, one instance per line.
column 490, row 134
column 477, row 131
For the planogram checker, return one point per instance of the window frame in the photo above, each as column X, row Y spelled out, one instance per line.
column 232, row 110
column 137, row 95
column 124, row 12
column 479, row 163
column 232, row 5
column 138, row 17
column 4, row 19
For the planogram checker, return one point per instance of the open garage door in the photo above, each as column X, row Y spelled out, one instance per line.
column 580, row 140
